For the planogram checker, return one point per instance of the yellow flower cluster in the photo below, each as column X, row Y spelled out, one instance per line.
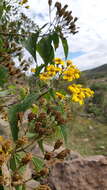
column 51, row 71
column 71, row 73
column 79, row 93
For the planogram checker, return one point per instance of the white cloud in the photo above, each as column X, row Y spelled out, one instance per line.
column 92, row 36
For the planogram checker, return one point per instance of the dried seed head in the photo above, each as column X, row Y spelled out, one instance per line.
column 42, row 101
column 48, row 155
column 42, row 116
column 49, row 2
column 44, row 172
column 58, row 5
column 43, row 187
column 6, row 145
column 63, row 154
column 61, row 121
column 38, row 125
column 26, row 158
column 31, row 116
column 2, row 159
column 16, row 177
column 58, row 144
column 22, row 141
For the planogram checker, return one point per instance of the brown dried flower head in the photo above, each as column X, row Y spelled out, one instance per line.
column 7, row 146
column 22, row 141
column 48, row 155
column 42, row 116
column 49, row 2
column 27, row 158
column 31, row 116
column 43, row 187
column 38, row 125
column 58, row 144
column 63, row 154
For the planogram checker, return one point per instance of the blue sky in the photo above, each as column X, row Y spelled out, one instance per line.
column 88, row 48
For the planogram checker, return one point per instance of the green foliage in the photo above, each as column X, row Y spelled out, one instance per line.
column 38, row 163
column 3, row 75
column 63, row 129
column 55, row 39
column 31, row 43
column 45, row 49
column 40, row 143
column 21, row 107
column 65, row 46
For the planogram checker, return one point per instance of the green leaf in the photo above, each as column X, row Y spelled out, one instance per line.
column 38, row 163
column 21, row 107
column 55, row 39
column 40, row 143
column 30, row 135
column 52, row 92
column 38, row 70
column 64, row 133
column 45, row 49
column 3, row 75
column 19, row 187
column 30, row 44
column 23, row 187
column 13, row 163
column 65, row 46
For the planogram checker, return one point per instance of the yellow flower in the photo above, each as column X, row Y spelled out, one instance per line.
column 59, row 95
column 71, row 73
column 69, row 62
column 33, row 70
column 44, row 76
column 58, row 61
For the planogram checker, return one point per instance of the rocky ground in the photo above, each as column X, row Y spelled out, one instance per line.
column 79, row 174
column 76, row 173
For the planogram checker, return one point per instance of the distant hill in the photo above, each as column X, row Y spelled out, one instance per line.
column 98, row 72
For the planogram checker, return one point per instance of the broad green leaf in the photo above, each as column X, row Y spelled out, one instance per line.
column 3, row 75
column 19, row 187
column 21, row 107
column 23, row 187
column 40, row 143
column 65, row 46
column 55, row 39
column 38, row 163
column 13, row 163
column 30, row 44
column 45, row 49
column 64, row 133
column 52, row 92
column 30, row 135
